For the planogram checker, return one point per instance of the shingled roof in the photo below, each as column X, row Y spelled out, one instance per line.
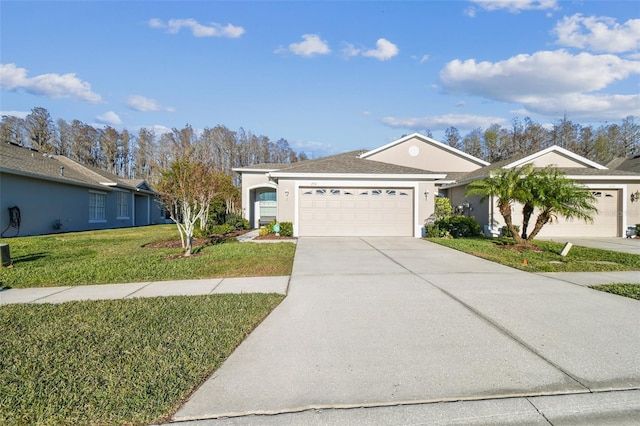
column 630, row 164
column 24, row 161
column 569, row 171
column 349, row 163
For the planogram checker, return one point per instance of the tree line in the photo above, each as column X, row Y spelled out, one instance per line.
column 600, row 144
column 144, row 154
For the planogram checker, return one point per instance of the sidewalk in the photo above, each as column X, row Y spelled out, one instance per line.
column 145, row 289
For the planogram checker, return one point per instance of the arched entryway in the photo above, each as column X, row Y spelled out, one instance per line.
column 264, row 206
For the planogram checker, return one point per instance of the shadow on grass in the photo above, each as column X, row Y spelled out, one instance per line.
column 29, row 257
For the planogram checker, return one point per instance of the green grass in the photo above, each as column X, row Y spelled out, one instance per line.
column 622, row 289
column 120, row 256
column 548, row 259
column 116, row 362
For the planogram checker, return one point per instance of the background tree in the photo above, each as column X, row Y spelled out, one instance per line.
column 39, row 127
column 452, row 137
column 12, row 130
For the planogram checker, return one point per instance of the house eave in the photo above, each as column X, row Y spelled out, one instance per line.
column 367, row 176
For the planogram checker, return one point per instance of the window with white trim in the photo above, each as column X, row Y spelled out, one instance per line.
column 122, row 200
column 97, row 206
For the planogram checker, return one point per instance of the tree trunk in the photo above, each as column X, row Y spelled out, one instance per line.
column 541, row 220
column 505, row 211
column 527, row 211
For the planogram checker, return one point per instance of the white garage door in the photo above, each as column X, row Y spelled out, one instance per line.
column 605, row 223
column 355, row 212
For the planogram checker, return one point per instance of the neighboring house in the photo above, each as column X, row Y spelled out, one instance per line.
column 56, row 194
column 390, row 191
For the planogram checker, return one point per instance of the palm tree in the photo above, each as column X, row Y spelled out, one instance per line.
column 506, row 186
column 560, row 196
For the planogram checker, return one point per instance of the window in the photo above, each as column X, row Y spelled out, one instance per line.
column 123, row 205
column 391, row 192
column 321, row 191
column 335, row 192
column 97, row 207
column 376, row 192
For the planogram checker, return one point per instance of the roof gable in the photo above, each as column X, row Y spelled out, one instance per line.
column 555, row 156
column 422, row 152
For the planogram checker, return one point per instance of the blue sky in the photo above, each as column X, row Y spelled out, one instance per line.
column 327, row 76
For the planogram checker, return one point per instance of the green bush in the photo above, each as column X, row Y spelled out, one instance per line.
column 454, row 227
column 434, row 231
column 268, row 228
column 286, row 229
column 638, row 229
column 506, row 233
column 223, row 229
column 237, row 221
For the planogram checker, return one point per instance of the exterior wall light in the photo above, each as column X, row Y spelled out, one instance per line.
column 426, row 195
column 635, row 196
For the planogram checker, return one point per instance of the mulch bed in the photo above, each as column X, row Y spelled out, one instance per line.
column 273, row 237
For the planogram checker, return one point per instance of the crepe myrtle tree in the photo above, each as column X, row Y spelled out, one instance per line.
column 546, row 190
column 187, row 189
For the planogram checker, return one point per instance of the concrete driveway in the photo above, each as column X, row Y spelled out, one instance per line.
column 379, row 322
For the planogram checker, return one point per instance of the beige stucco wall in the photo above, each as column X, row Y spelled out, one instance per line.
column 286, row 200
column 426, row 156
column 556, row 159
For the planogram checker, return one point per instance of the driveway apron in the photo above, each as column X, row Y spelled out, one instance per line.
column 387, row 321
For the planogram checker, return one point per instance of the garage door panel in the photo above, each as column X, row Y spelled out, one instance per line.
column 355, row 212
column 606, row 222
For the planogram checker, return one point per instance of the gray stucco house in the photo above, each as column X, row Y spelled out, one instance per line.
column 56, row 194
column 390, row 191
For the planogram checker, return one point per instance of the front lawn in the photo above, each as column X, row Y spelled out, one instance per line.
column 627, row 290
column 547, row 256
column 117, row 362
column 125, row 255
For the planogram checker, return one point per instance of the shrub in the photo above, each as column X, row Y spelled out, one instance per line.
column 638, row 229
column 453, row 226
column 268, row 228
column 237, row 221
column 286, row 229
column 506, row 233
column 223, row 229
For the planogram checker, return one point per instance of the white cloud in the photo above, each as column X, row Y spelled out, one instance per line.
column 143, row 104
column 18, row 114
column 600, row 34
column 350, row 50
column 384, row 50
column 311, row 46
column 550, row 82
column 51, row 85
column 110, row 118
column 513, row 6
column 442, row 122
column 173, row 26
